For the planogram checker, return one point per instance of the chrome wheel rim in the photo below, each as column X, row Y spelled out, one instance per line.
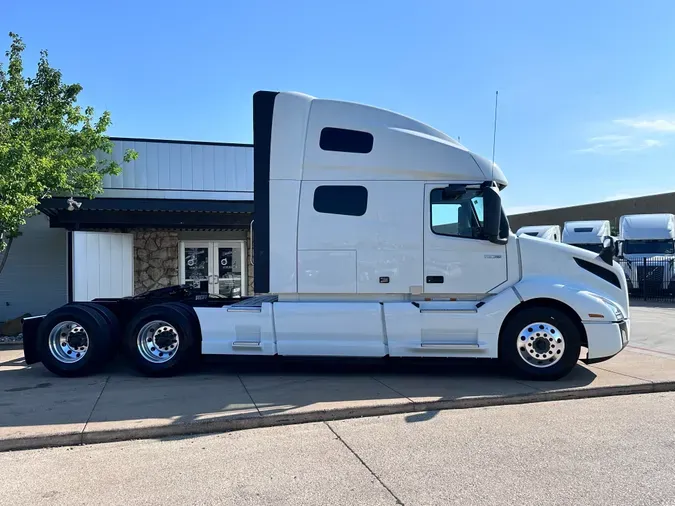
column 68, row 342
column 541, row 344
column 157, row 341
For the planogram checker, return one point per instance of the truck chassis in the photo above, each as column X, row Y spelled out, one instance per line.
column 164, row 332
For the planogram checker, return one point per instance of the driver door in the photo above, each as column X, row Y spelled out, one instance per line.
column 457, row 259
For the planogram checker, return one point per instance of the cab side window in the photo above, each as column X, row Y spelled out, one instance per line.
column 459, row 217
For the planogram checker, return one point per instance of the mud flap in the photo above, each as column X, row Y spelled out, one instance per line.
column 30, row 328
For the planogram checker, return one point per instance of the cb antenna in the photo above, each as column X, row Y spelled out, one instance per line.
column 494, row 136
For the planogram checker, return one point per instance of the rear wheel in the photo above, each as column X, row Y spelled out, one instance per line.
column 74, row 340
column 540, row 343
column 113, row 323
column 163, row 340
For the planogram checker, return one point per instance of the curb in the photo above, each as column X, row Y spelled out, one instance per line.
column 12, row 344
column 277, row 420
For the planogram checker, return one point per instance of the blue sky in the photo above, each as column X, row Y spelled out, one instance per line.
column 586, row 89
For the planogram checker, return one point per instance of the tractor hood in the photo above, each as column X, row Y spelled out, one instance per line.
column 574, row 267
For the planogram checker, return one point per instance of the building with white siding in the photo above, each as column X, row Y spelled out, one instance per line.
column 180, row 213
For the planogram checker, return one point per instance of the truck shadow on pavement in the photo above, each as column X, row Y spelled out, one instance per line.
column 33, row 399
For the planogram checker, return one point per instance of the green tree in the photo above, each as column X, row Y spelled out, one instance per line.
column 48, row 143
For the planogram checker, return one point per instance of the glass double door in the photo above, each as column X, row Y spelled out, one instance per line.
column 217, row 267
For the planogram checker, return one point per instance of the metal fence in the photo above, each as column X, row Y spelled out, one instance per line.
column 650, row 279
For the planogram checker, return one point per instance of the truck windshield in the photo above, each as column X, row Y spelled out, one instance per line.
column 647, row 247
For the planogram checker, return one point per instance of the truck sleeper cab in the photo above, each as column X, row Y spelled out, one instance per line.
column 548, row 232
column 374, row 235
column 647, row 245
column 588, row 234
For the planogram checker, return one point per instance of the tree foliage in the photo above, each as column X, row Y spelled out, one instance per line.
column 48, row 143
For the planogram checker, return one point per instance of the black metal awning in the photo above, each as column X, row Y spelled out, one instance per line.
column 129, row 213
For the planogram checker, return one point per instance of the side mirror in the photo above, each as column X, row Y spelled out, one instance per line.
column 608, row 249
column 492, row 216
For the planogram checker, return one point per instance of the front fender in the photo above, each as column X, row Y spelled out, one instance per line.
column 585, row 303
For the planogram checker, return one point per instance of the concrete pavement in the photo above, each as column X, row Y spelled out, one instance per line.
column 39, row 409
column 554, row 453
column 656, row 325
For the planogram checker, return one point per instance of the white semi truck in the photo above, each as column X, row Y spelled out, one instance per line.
column 374, row 235
column 647, row 246
column 548, row 232
column 589, row 234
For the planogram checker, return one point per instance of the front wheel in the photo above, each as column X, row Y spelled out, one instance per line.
column 540, row 343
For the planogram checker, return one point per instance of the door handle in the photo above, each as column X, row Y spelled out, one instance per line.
column 434, row 279
column 246, row 344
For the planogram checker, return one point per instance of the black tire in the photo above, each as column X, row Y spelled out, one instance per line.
column 510, row 341
column 113, row 324
column 186, row 325
column 99, row 340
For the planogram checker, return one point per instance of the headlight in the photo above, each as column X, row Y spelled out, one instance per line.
column 616, row 309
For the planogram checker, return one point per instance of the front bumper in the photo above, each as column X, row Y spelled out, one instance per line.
column 606, row 340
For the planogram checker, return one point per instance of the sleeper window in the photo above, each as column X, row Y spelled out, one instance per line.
column 347, row 200
column 345, row 140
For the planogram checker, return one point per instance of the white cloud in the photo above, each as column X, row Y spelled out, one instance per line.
column 630, row 134
column 651, row 143
column 653, row 125
column 639, row 145
column 614, row 144
column 609, row 138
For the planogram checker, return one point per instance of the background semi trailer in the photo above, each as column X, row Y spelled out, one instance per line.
column 548, row 232
column 647, row 249
column 374, row 235
column 588, row 235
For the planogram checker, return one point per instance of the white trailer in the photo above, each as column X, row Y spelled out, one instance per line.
column 548, row 232
column 589, row 234
column 647, row 246
column 375, row 235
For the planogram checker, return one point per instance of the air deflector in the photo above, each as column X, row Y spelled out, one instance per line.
column 263, row 112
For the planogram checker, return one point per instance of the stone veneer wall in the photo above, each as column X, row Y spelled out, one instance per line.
column 156, row 256
column 155, row 259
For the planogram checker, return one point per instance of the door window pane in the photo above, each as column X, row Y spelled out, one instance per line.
column 460, row 216
column 197, row 268
column 229, row 271
column 478, row 208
